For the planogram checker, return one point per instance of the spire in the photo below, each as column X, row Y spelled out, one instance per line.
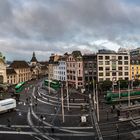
column 33, row 58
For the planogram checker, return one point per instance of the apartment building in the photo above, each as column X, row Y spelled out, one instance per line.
column 52, row 62
column 112, row 66
column 135, row 67
column 22, row 70
column 89, row 70
column 75, row 69
column 11, row 76
column 60, row 70
column 3, row 77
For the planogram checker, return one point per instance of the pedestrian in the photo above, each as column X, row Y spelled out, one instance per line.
column 9, row 122
column 52, row 129
column 27, row 100
column 55, row 109
column 73, row 100
column 111, row 109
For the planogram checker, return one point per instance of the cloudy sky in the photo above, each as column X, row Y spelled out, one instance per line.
column 59, row 26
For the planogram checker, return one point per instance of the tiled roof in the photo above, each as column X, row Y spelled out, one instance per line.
column 10, row 71
column 19, row 64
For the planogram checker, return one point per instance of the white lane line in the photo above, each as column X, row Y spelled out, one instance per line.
column 74, row 104
column 27, row 126
column 31, row 123
column 55, row 102
column 50, row 134
column 48, row 124
column 37, row 138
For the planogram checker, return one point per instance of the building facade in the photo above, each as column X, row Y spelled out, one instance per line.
column 22, row 69
column 75, row 69
column 113, row 66
column 11, row 76
column 89, row 70
column 60, row 70
column 3, row 76
column 52, row 62
column 135, row 68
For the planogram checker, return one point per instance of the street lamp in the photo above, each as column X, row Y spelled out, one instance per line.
column 128, row 94
column 62, row 103
column 117, row 128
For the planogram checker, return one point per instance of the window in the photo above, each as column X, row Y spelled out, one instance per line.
column 100, row 73
column 120, row 73
column 126, row 73
column 120, row 57
column 107, row 57
column 79, row 65
column 107, row 68
column 126, row 62
column 119, row 62
column 100, row 62
column 100, row 57
column 107, row 73
column 79, row 78
column 100, row 68
column 119, row 68
column 101, row 79
column 79, row 71
column 113, row 57
column 113, row 73
column 107, row 79
column 125, row 57
column 107, row 62
column 125, row 68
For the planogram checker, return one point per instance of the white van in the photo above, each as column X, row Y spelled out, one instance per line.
column 7, row 105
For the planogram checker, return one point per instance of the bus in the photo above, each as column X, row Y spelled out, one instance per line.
column 19, row 87
column 7, row 105
column 53, row 84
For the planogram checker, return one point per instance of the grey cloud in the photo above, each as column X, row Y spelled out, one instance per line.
column 65, row 25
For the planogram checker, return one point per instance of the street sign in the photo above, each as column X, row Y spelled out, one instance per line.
column 83, row 119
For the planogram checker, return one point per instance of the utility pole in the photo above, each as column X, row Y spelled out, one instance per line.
column 62, row 103
column 97, row 102
column 67, row 94
column 128, row 95
column 119, row 91
column 94, row 102
column 49, row 80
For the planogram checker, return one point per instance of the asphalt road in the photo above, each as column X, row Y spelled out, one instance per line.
column 40, row 118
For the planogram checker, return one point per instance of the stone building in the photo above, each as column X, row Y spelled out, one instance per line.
column 3, row 77
column 22, row 69
column 75, row 69
column 11, row 76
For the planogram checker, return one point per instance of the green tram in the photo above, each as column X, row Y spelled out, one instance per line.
column 53, row 84
column 111, row 98
column 19, row 87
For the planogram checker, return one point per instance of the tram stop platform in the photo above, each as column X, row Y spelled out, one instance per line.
column 136, row 134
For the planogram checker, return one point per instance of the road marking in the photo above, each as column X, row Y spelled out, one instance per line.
column 27, row 126
column 55, row 102
column 50, row 134
column 37, row 138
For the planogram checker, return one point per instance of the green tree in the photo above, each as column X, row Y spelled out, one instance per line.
column 105, row 85
column 123, row 84
column 136, row 83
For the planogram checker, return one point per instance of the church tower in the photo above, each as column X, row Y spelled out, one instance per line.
column 33, row 60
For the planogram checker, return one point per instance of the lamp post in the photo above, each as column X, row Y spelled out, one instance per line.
column 62, row 103
column 119, row 91
column 117, row 128
column 97, row 102
column 67, row 94
column 128, row 94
